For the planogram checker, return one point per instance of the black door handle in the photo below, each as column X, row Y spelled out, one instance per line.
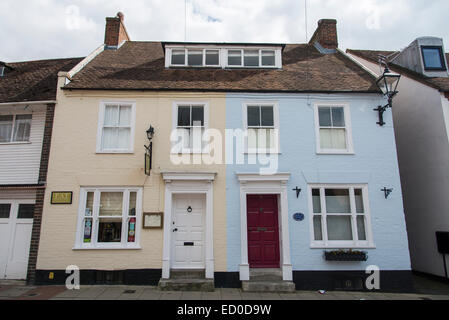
column 175, row 229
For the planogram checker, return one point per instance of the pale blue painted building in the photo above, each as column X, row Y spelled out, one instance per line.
column 372, row 163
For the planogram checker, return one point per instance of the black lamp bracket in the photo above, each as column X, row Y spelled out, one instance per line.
column 387, row 192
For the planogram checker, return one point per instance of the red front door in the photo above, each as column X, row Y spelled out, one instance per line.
column 263, row 231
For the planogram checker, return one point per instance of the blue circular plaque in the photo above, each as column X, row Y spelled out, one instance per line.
column 298, row 216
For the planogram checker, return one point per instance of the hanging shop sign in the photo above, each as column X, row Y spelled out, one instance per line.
column 61, row 197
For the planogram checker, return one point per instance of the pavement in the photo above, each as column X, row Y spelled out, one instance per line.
column 426, row 289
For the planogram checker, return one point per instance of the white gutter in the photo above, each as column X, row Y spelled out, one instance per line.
column 27, row 103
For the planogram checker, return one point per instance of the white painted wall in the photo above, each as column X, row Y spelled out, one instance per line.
column 421, row 117
column 20, row 162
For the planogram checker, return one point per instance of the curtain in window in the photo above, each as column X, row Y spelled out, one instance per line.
column 111, row 203
column 339, row 228
column 22, row 128
column 333, row 138
column 337, row 201
column 117, row 127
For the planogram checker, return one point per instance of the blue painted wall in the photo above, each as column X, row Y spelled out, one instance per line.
column 374, row 163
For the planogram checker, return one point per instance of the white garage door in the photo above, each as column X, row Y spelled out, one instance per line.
column 188, row 231
column 16, row 223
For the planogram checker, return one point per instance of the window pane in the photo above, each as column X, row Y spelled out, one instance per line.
column 324, row 114
column 124, row 136
column 316, row 200
column 198, row 116
column 5, row 128
column 183, row 116
column 253, row 116
column 338, row 139
column 337, row 201
column 195, row 57
column 111, row 115
column 252, row 138
column 339, row 228
column 132, row 203
column 111, row 203
column 234, row 57
column 361, row 228
column 251, row 58
column 87, row 231
column 89, row 204
column 338, row 117
column 26, row 211
column 268, row 58
column 178, row 57
column 317, row 230
column 109, row 138
column 359, row 200
column 333, row 139
column 22, row 128
column 5, row 209
column 109, row 230
column 326, row 138
column 267, row 116
column 212, row 57
column 125, row 116
column 432, row 58
column 132, row 230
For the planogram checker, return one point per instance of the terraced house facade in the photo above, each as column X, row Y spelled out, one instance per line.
column 222, row 165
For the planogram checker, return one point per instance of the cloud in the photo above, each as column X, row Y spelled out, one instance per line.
column 39, row 29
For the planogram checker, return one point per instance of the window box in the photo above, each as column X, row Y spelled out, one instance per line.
column 343, row 255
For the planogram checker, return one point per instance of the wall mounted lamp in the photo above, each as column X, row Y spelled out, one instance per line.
column 388, row 82
column 149, row 151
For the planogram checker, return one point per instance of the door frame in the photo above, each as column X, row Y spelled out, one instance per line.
column 254, row 183
column 188, row 183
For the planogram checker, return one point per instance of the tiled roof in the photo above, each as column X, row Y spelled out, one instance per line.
column 439, row 83
column 141, row 66
column 33, row 80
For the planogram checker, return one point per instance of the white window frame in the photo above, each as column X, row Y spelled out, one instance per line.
column 14, row 126
column 94, row 244
column 348, row 127
column 103, row 104
column 222, row 56
column 186, row 61
column 205, row 105
column 355, row 243
column 260, row 66
column 275, row 105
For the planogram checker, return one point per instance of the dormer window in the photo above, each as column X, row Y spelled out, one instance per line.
column 433, row 58
column 223, row 57
column 2, row 71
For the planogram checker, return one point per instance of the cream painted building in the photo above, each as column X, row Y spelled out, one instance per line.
column 79, row 163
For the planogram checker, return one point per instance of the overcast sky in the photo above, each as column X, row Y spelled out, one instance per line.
column 43, row 29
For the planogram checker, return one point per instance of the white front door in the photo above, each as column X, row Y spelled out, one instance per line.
column 188, row 231
column 16, row 223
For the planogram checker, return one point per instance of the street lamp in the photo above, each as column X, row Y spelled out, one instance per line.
column 149, row 151
column 388, row 82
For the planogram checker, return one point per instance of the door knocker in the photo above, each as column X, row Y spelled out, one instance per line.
column 189, row 209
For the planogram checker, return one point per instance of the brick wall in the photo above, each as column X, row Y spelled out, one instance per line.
column 115, row 32
column 40, row 193
column 326, row 34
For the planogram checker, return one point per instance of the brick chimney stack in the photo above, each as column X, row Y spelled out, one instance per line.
column 326, row 34
column 115, row 32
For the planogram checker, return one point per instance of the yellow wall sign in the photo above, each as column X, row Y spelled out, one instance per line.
column 61, row 197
